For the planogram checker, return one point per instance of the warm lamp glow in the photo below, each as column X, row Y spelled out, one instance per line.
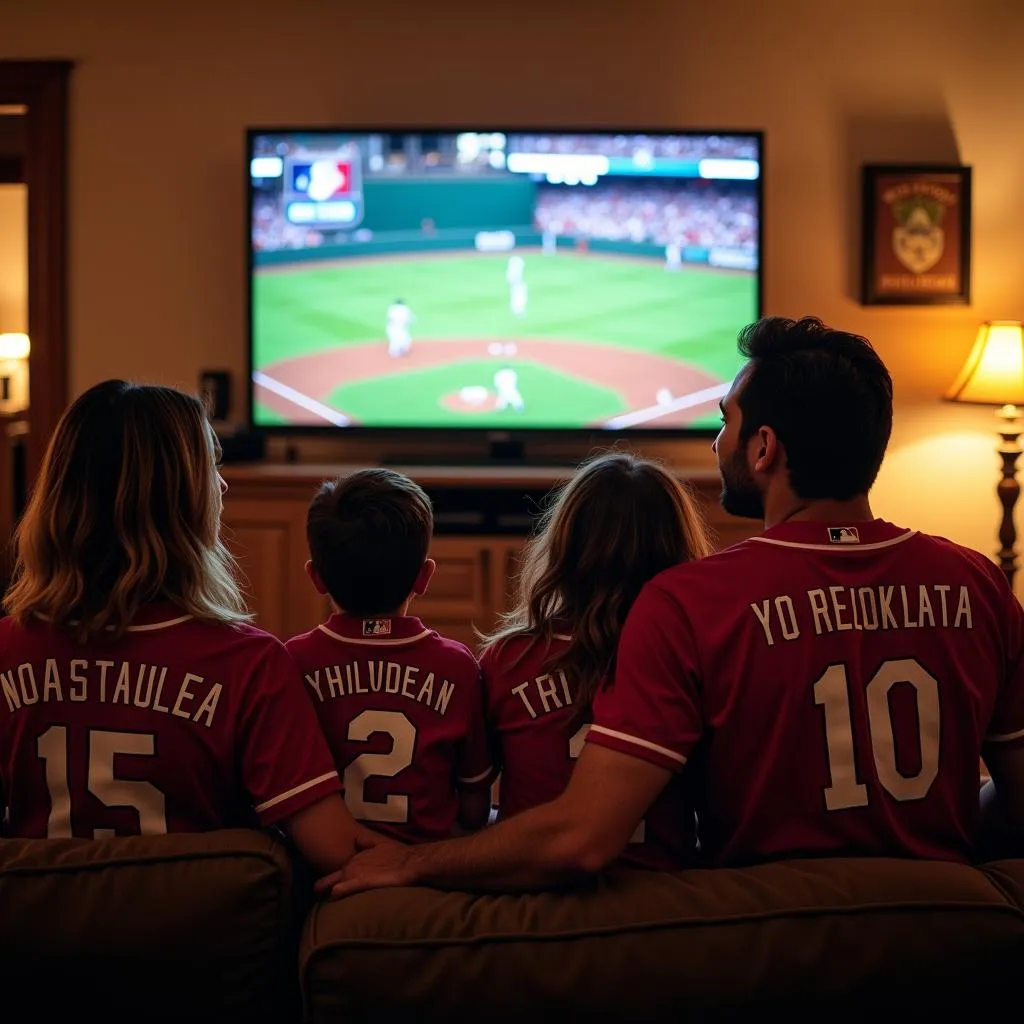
column 994, row 371
column 14, row 346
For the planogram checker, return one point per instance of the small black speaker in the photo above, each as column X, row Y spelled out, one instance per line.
column 242, row 446
column 215, row 390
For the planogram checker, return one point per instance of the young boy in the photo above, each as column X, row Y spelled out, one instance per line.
column 401, row 706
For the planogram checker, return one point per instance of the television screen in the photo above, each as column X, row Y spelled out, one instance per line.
column 499, row 280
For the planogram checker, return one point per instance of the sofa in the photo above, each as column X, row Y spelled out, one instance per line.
column 221, row 927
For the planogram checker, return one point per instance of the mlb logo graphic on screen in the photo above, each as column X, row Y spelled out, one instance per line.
column 324, row 190
column 376, row 627
column 843, row 535
column 322, row 180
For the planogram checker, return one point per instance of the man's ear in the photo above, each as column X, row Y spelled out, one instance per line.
column 426, row 574
column 768, row 450
column 314, row 578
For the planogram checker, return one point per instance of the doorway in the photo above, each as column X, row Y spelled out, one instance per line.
column 33, row 275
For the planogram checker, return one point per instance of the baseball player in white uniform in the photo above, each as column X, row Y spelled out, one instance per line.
column 399, row 320
column 517, row 295
column 506, row 380
column 673, row 256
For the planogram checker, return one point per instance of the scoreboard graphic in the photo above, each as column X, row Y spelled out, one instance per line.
column 324, row 189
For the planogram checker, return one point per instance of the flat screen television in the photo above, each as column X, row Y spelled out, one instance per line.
column 499, row 281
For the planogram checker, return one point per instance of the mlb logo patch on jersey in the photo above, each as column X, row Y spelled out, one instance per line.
column 843, row 535
column 376, row 627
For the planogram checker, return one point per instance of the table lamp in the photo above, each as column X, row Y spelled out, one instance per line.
column 994, row 375
column 14, row 353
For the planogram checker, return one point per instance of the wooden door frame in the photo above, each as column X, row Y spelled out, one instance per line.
column 42, row 87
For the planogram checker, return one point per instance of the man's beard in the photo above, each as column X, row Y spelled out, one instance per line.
column 740, row 496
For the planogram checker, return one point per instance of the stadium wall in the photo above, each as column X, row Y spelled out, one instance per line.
column 397, row 242
column 402, row 204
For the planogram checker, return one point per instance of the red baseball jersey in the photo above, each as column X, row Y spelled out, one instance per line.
column 833, row 684
column 178, row 726
column 532, row 717
column 402, row 710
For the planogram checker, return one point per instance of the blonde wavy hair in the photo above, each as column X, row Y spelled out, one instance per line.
column 125, row 511
column 617, row 523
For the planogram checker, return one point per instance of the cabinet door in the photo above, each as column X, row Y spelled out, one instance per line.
column 508, row 578
column 458, row 599
column 268, row 540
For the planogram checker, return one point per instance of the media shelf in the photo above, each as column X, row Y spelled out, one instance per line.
column 483, row 515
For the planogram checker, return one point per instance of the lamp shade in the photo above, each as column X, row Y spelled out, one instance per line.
column 14, row 346
column 993, row 373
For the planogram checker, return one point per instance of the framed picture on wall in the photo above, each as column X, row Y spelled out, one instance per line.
column 916, row 245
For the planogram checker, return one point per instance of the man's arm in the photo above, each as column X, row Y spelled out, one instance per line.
column 1002, row 801
column 581, row 832
column 1003, row 749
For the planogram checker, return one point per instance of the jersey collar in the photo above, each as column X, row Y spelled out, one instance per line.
column 838, row 537
column 157, row 615
column 380, row 630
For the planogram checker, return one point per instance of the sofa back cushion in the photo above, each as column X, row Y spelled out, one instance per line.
column 846, row 936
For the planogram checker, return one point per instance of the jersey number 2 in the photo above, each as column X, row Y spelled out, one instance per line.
column 145, row 798
column 576, row 741
column 832, row 693
column 394, row 809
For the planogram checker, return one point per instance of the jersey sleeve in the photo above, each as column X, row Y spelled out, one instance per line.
column 475, row 769
column 1007, row 724
column 652, row 710
column 285, row 762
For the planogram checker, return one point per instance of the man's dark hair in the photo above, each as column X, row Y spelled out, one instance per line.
column 828, row 397
column 368, row 535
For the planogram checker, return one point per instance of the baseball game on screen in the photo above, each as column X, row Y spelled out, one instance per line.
column 485, row 279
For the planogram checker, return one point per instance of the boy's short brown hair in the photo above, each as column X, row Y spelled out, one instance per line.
column 369, row 534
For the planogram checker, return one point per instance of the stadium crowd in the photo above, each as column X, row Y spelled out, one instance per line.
column 691, row 214
column 272, row 230
column 678, row 147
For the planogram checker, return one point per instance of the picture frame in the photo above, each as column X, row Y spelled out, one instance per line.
column 916, row 235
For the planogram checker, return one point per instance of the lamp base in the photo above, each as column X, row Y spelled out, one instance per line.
column 1008, row 489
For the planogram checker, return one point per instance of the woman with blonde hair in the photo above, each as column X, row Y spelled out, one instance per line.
column 617, row 523
column 135, row 697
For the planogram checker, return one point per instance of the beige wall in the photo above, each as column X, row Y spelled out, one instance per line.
column 13, row 259
column 162, row 93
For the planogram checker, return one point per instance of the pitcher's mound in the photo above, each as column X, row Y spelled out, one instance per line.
column 474, row 398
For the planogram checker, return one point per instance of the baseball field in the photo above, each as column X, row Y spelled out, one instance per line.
column 605, row 341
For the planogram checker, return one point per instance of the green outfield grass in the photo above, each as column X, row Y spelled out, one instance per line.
column 632, row 303
column 689, row 314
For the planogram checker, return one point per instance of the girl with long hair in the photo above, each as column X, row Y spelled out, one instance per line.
column 135, row 697
column 617, row 523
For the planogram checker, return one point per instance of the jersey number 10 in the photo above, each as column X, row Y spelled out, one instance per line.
column 832, row 693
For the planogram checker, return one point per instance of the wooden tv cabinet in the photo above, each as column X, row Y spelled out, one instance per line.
column 483, row 517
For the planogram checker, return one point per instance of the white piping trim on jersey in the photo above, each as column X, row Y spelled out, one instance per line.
column 148, row 627
column 477, row 778
column 294, row 792
column 639, row 742
column 367, row 640
column 1005, row 737
column 846, row 549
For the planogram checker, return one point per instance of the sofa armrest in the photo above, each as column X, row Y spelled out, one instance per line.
column 179, row 927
